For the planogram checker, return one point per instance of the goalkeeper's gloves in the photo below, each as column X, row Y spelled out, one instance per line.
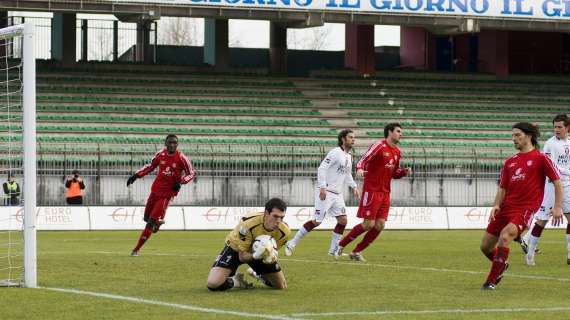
column 132, row 179
column 271, row 257
column 176, row 187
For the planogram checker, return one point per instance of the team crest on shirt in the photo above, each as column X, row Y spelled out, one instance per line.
column 386, row 154
column 529, row 163
column 174, row 166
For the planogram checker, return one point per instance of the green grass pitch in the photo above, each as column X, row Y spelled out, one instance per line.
column 409, row 275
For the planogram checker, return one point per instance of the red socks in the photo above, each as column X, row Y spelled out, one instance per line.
column 309, row 225
column 367, row 240
column 537, row 230
column 498, row 266
column 339, row 228
column 353, row 234
column 143, row 238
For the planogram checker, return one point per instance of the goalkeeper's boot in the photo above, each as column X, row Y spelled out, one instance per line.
column 259, row 277
column 240, row 282
column 356, row 256
column 338, row 252
column 134, row 253
column 289, row 247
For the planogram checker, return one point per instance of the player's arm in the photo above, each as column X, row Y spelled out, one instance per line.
column 353, row 185
column 148, row 168
column 499, row 197
column 501, row 192
column 557, row 209
column 551, row 173
column 370, row 154
column 189, row 172
column 245, row 256
column 244, row 243
column 399, row 172
column 327, row 162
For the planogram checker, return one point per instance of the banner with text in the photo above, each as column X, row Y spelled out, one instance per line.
column 226, row 218
column 517, row 9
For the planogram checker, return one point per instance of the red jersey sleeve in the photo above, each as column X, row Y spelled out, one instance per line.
column 149, row 167
column 369, row 155
column 504, row 179
column 550, row 170
column 399, row 172
column 189, row 172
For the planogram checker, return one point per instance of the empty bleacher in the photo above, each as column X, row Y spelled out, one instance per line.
column 445, row 116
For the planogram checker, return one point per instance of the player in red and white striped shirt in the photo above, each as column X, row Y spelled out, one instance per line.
column 171, row 163
column 520, row 194
column 378, row 166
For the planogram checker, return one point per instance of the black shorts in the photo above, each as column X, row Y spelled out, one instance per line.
column 229, row 259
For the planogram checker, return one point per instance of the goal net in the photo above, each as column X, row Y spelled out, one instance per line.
column 18, row 160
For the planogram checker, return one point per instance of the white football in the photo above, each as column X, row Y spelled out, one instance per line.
column 264, row 244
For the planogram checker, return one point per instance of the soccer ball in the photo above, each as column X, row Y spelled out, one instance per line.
column 264, row 247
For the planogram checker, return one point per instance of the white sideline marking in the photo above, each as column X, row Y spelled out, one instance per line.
column 441, row 311
column 171, row 305
column 429, row 269
column 432, row 269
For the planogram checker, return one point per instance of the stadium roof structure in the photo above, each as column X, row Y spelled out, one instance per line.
column 133, row 10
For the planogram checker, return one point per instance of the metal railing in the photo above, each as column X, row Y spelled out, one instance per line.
column 246, row 175
column 100, row 33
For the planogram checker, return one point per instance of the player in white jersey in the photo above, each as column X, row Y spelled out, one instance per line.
column 334, row 171
column 558, row 149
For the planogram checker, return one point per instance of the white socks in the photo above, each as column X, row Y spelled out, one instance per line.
column 334, row 241
column 532, row 243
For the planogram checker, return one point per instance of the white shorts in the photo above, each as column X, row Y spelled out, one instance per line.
column 333, row 205
column 548, row 202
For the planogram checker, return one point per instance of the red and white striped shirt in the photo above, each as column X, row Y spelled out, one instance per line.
column 381, row 163
column 523, row 176
column 170, row 167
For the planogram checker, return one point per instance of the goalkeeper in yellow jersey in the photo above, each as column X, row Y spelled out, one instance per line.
column 242, row 247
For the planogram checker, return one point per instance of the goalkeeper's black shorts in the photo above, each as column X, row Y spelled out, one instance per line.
column 229, row 259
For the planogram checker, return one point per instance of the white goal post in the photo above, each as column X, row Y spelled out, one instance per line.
column 18, row 55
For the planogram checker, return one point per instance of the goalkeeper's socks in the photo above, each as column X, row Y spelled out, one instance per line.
column 369, row 237
column 259, row 277
column 143, row 238
column 353, row 234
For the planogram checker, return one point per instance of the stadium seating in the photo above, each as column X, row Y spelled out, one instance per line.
column 440, row 112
